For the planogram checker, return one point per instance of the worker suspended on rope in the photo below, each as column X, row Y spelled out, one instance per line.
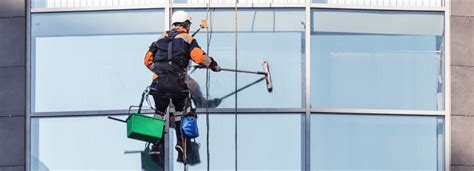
column 168, row 58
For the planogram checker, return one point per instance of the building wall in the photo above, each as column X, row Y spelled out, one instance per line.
column 12, row 84
column 462, row 69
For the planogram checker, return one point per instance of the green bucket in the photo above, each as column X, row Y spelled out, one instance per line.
column 144, row 128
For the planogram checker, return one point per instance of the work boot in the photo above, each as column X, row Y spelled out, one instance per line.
column 180, row 148
column 157, row 153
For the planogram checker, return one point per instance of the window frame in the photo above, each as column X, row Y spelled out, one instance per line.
column 308, row 6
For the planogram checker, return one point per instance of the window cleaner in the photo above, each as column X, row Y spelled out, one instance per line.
column 168, row 58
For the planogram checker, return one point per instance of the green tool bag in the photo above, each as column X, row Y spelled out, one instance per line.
column 142, row 127
column 145, row 128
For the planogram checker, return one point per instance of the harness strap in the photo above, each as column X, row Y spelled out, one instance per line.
column 170, row 48
column 178, row 116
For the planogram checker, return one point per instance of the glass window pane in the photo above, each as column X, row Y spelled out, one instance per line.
column 82, row 143
column 98, row 143
column 270, row 142
column 104, row 4
column 91, row 60
column 221, row 139
column 378, row 3
column 376, row 142
column 281, row 43
column 97, row 23
column 265, row 142
column 376, row 67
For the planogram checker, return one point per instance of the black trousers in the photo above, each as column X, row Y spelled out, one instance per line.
column 162, row 104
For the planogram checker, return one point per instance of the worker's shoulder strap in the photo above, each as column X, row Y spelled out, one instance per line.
column 169, row 38
column 186, row 37
column 164, row 35
column 170, row 47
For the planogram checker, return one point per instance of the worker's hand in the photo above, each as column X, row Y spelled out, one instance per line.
column 214, row 66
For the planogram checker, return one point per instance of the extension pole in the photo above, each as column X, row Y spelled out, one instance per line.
column 244, row 71
column 236, row 70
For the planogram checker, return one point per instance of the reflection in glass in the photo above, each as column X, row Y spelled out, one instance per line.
column 377, row 67
column 265, row 142
column 274, row 34
column 282, row 50
column 91, row 60
column 406, row 3
column 82, row 143
column 376, row 142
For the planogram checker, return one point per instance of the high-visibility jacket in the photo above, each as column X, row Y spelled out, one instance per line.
column 170, row 68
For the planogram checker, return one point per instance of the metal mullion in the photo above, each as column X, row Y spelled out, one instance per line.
column 247, row 5
column 80, row 9
column 307, row 122
column 379, row 111
column 28, row 87
column 375, row 114
column 368, row 7
column 447, row 89
column 149, row 111
column 168, row 166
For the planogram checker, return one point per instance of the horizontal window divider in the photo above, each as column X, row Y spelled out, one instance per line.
column 254, row 110
column 149, row 111
column 379, row 111
column 231, row 6
column 84, row 9
column 242, row 5
column 225, row 111
column 368, row 7
column 12, row 116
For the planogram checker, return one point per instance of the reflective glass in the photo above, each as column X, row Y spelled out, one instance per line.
column 278, row 40
column 82, row 143
column 265, row 142
column 377, row 67
column 92, row 3
column 98, row 143
column 413, row 3
column 91, row 60
column 376, row 142
column 241, row 1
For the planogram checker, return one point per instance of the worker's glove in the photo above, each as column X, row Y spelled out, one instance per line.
column 214, row 66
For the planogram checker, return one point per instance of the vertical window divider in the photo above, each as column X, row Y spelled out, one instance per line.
column 28, row 90
column 307, row 125
column 447, row 89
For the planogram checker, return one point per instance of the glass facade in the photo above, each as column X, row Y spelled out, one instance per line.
column 82, row 143
column 98, row 143
column 122, row 3
column 258, row 38
column 376, row 142
column 277, row 140
column 369, row 63
column 107, row 70
column 419, row 3
column 89, row 63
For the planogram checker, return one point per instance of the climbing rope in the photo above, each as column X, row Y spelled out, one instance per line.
column 208, row 75
column 170, row 14
column 236, row 67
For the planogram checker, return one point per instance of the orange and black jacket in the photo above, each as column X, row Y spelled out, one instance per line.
column 184, row 48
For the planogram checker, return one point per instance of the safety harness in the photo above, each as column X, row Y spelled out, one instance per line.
column 170, row 66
